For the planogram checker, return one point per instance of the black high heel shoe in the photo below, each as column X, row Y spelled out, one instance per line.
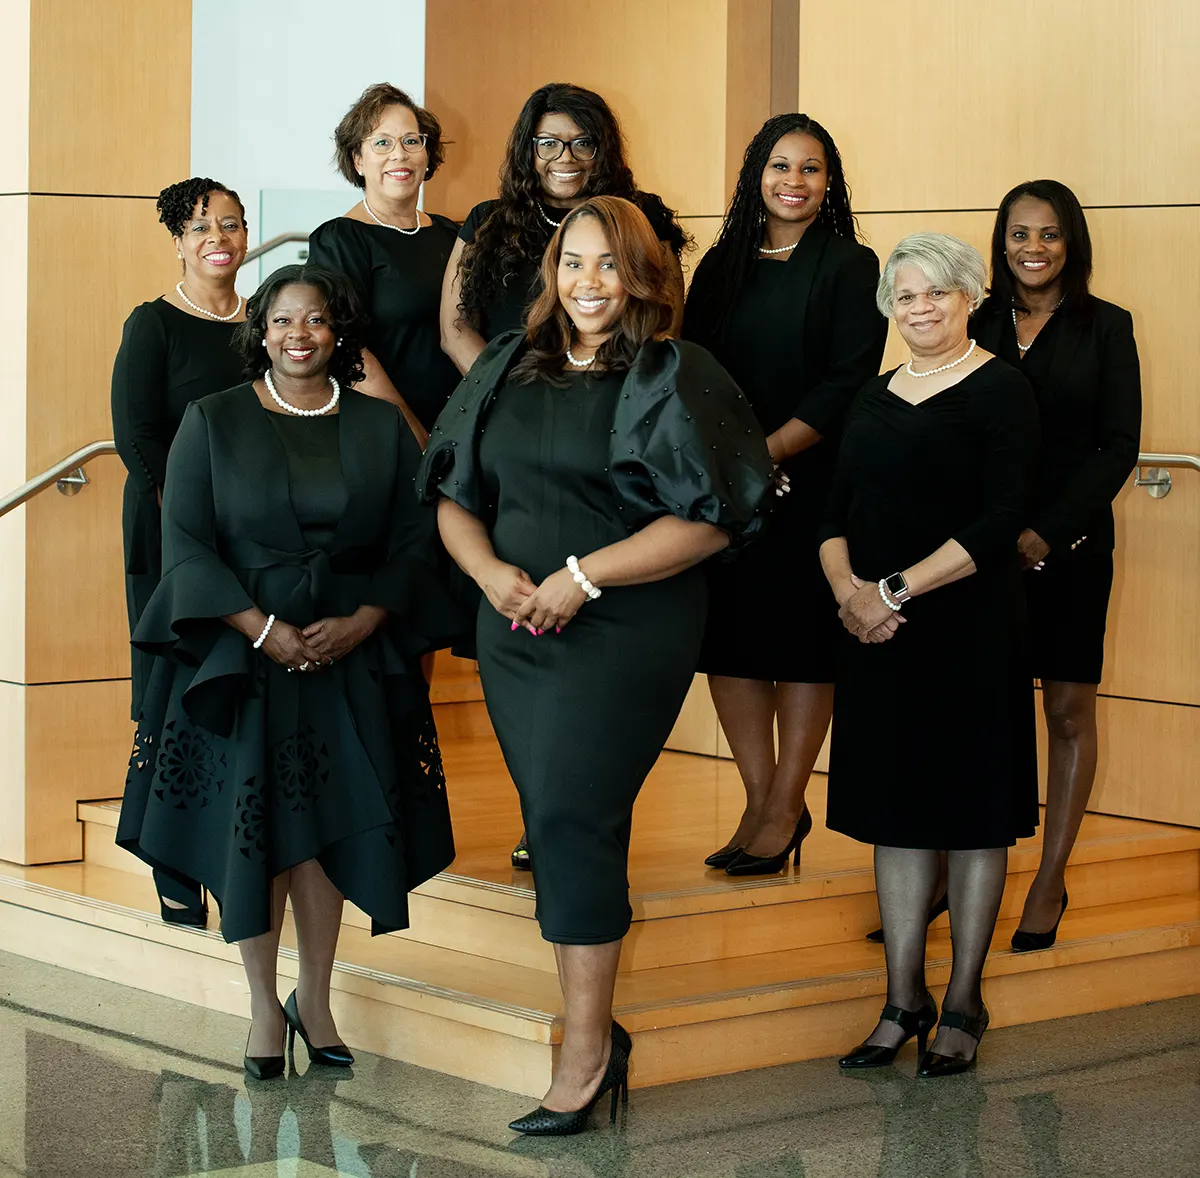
column 934, row 1065
column 911, row 1022
column 545, row 1122
column 943, row 905
column 262, row 1067
column 337, row 1056
column 195, row 917
column 723, row 857
column 520, row 854
column 1023, row 942
column 744, row 864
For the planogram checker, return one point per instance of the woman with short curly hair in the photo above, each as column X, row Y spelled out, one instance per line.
column 394, row 253
column 286, row 744
column 174, row 349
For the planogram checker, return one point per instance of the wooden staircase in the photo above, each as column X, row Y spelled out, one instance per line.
column 717, row 974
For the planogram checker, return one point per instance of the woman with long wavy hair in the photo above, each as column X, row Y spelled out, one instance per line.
column 643, row 460
column 785, row 300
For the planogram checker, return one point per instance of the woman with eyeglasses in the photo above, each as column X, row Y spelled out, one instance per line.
column 393, row 252
column 566, row 146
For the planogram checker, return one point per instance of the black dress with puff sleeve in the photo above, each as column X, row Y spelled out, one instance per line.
column 581, row 716
column 241, row 770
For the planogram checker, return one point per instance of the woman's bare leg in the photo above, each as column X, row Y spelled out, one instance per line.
column 260, row 956
column 317, row 910
column 746, row 711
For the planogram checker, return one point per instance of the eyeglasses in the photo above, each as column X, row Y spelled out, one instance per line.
column 550, row 148
column 385, row 144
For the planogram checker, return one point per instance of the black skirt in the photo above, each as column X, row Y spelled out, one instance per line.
column 1068, row 614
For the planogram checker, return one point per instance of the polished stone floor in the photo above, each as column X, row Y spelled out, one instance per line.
column 99, row 1081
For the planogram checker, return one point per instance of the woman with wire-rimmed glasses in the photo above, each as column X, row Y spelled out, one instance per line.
column 393, row 252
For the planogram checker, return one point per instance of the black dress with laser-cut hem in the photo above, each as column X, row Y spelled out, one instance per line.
column 240, row 769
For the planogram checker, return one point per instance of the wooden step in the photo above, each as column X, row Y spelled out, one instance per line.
column 497, row 1022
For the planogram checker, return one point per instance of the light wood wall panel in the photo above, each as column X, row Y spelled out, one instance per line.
column 948, row 107
column 110, row 88
column 659, row 63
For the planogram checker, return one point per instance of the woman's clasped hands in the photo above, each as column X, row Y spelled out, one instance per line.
column 536, row 608
column 864, row 613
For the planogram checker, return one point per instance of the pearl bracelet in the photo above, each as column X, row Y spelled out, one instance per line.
column 266, row 630
column 883, row 593
column 581, row 579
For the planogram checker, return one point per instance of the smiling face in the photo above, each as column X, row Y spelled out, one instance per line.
column 589, row 287
column 213, row 242
column 1034, row 244
column 299, row 337
column 564, row 179
column 931, row 319
column 396, row 174
column 794, row 180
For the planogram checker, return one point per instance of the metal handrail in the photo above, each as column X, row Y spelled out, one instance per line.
column 265, row 247
column 1152, row 472
column 68, row 474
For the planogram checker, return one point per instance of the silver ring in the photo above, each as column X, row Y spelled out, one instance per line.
column 303, row 666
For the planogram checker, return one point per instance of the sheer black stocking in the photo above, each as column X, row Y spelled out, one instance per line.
column 906, row 881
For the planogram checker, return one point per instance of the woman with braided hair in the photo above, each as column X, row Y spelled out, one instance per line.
column 174, row 349
column 785, row 299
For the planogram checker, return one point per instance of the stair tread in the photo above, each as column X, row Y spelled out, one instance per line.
column 686, row 992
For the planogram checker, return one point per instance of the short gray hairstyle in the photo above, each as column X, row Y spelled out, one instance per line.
column 944, row 260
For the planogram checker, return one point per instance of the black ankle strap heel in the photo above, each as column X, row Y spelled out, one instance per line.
column 911, row 1022
column 935, row 1065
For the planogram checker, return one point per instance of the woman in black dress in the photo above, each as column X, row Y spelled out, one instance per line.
column 292, row 543
column 1080, row 356
column 566, row 146
column 393, row 252
column 934, row 749
column 785, row 300
column 613, row 461
column 174, row 349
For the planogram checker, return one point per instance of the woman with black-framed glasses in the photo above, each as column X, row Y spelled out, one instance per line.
column 393, row 252
column 566, row 146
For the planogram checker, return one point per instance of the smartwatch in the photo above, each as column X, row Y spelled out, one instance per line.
column 897, row 588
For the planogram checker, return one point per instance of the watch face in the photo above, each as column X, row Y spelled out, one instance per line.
column 896, row 583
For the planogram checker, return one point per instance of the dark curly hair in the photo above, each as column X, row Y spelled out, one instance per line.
column 177, row 202
column 735, row 249
column 515, row 232
column 648, row 311
column 346, row 315
column 1077, row 269
column 362, row 118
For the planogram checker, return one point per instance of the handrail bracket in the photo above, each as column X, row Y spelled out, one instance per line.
column 1156, row 480
column 73, row 483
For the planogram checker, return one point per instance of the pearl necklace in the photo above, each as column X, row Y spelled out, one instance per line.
column 546, row 216
column 337, row 392
column 1023, row 348
column 580, row 363
column 783, row 249
column 385, row 225
column 211, row 314
column 942, row 368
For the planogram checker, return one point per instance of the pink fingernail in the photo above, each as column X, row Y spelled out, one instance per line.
column 557, row 629
column 513, row 626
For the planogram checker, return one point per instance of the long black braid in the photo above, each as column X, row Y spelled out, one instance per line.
column 736, row 247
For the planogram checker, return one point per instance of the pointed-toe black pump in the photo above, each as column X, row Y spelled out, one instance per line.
column 195, row 916
column 722, row 858
column 745, row 864
column 520, row 854
column 262, row 1067
column 337, row 1056
column 1023, row 942
column 934, row 1065
column 911, row 1022
column 943, row 905
column 546, row 1122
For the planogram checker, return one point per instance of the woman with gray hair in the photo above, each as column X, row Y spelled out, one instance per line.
column 933, row 725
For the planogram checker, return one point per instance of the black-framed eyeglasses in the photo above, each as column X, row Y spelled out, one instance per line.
column 550, row 148
column 386, row 144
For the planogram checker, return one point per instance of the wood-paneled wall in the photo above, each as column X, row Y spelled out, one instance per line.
column 98, row 107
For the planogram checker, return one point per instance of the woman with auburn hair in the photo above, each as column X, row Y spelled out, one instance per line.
column 1079, row 354
column 393, row 252
column 613, row 462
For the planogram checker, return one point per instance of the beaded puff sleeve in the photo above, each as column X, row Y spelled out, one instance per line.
column 683, row 440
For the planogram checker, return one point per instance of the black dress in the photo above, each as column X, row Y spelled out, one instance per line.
column 166, row 360
column 582, row 716
column 933, row 730
column 399, row 277
column 1085, row 374
column 803, row 338
column 505, row 310
column 241, row 770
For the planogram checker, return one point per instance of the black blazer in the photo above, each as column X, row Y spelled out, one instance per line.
column 1084, row 370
